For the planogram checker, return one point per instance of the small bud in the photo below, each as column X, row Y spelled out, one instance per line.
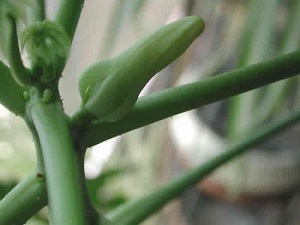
column 26, row 96
column 110, row 88
column 47, row 95
column 47, row 45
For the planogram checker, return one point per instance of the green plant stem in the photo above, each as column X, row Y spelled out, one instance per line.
column 26, row 199
column 66, row 199
column 32, row 191
column 136, row 211
column 68, row 15
column 172, row 101
column 40, row 169
column 91, row 212
column 41, row 14
column 276, row 94
column 11, row 94
column 37, row 12
column 18, row 70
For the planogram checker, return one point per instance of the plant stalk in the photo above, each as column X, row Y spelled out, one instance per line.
column 11, row 94
column 68, row 15
column 66, row 199
column 172, row 101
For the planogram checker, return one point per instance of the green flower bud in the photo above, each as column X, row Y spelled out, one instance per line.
column 47, row 45
column 110, row 88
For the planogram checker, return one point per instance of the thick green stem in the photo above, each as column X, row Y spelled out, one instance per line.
column 37, row 13
column 172, row 101
column 68, row 15
column 26, row 199
column 66, row 199
column 19, row 72
column 134, row 212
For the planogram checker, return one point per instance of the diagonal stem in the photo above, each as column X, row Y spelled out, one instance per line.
column 25, row 200
column 172, row 101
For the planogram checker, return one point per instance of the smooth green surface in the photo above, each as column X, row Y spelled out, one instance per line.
column 68, row 15
column 66, row 198
column 26, row 199
column 37, row 12
column 172, row 101
column 11, row 94
column 110, row 88
column 18, row 70
column 11, row 9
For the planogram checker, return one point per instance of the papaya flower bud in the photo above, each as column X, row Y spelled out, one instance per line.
column 110, row 88
column 48, row 46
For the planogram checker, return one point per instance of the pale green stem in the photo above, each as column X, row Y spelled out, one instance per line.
column 66, row 198
column 11, row 94
column 172, row 101
column 19, row 72
column 26, row 199
column 68, row 15
column 37, row 12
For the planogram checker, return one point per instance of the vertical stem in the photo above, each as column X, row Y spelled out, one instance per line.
column 66, row 199
column 37, row 13
column 18, row 70
column 68, row 15
column 91, row 212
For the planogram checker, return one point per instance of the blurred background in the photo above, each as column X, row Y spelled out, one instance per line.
column 261, row 187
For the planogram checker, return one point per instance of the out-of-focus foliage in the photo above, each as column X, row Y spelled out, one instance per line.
column 101, row 195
